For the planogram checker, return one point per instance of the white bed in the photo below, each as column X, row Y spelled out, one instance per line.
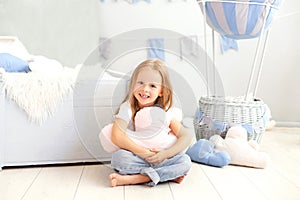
column 70, row 133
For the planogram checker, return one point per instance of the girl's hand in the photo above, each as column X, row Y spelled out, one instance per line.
column 158, row 157
column 145, row 154
column 155, row 150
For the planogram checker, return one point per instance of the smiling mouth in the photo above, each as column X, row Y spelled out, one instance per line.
column 144, row 96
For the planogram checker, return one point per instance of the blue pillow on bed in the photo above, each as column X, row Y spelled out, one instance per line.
column 12, row 63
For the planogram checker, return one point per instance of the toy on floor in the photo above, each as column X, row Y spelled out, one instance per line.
column 203, row 151
column 151, row 130
column 241, row 151
column 270, row 123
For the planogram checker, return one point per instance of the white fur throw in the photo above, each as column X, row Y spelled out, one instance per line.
column 39, row 94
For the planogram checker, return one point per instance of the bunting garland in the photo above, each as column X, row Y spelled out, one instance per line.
column 104, row 47
column 187, row 46
column 156, row 48
column 136, row 1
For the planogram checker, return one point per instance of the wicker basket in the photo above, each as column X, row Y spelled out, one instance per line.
column 229, row 112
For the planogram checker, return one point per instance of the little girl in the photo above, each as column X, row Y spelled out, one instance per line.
column 149, row 86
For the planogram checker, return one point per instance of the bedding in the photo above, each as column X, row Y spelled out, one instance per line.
column 13, row 46
column 12, row 63
column 38, row 94
column 45, row 65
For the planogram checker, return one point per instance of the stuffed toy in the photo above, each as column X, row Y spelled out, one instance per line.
column 241, row 151
column 151, row 131
column 203, row 151
column 270, row 123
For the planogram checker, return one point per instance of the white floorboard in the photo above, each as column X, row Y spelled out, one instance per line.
column 14, row 183
column 280, row 180
column 55, row 183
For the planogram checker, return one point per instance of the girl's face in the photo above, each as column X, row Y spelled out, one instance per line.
column 147, row 87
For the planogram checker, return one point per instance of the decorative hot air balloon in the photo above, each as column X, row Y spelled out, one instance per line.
column 236, row 19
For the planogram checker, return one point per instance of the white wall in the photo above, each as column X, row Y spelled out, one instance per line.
column 69, row 30
column 66, row 30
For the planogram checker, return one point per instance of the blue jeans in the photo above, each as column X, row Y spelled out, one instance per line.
column 125, row 162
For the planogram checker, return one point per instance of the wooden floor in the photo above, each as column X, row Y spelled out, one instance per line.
column 280, row 180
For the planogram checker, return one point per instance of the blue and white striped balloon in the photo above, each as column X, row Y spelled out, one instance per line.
column 239, row 19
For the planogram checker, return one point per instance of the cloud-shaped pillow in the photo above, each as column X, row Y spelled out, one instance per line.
column 203, row 151
column 241, row 151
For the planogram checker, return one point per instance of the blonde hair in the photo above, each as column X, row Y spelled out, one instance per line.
column 164, row 101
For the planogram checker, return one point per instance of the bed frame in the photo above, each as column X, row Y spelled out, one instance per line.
column 70, row 136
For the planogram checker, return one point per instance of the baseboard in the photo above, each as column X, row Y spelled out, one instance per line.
column 287, row 124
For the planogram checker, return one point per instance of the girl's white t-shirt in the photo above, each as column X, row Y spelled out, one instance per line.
column 160, row 140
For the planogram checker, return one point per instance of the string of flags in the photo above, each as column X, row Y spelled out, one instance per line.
column 136, row 1
column 225, row 42
column 156, row 47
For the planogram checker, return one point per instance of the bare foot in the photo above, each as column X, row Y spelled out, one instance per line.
column 113, row 179
column 119, row 179
column 179, row 179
